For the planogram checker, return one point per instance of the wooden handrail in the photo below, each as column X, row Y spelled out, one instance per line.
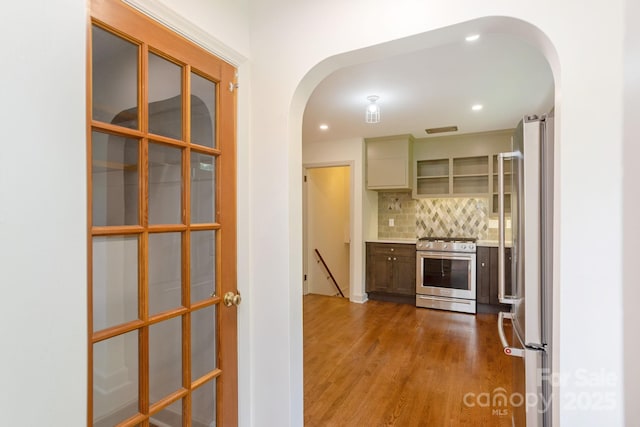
column 330, row 274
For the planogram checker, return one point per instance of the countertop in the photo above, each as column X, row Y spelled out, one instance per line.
column 492, row 243
column 485, row 243
column 392, row 240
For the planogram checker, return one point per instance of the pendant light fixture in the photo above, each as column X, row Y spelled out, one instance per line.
column 373, row 110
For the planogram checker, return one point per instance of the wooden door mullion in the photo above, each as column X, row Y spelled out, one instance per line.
column 186, row 200
column 143, row 367
column 143, row 89
column 134, row 421
column 143, row 264
column 116, row 230
column 186, row 369
column 114, row 331
column 186, row 103
column 186, row 220
column 115, row 129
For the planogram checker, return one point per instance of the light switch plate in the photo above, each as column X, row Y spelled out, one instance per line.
column 392, row 222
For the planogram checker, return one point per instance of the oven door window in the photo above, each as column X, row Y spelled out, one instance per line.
column 445, row 273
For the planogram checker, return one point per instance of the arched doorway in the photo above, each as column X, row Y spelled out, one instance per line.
column 439, row 39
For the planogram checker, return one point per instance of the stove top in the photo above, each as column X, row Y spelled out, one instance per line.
column 447, row 244
column 449, row 239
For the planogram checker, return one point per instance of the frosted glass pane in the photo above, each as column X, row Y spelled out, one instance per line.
column 203, row 111
column 203, row 196
column 203, row 255
column 165, row 97
column 203, row 341
column 165, row 184
column 165, row 271
column 171, row 416
column 114, row 79
column 115, row 280
column 203, row 404
column 165, row 358
column 114, row 175
column 115, row 379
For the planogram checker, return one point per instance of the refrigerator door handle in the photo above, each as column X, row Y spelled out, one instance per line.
column 509, row 351
column 501, row 229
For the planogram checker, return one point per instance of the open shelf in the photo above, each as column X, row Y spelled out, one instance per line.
column 433, row 185
column 507, row 203
column 455, row 176
column 470, row 184
column 507, row 184
column 433, row 168
column 477, row 165
column 507, row 165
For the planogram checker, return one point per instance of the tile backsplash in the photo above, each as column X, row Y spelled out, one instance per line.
column 402, row 209
column 446, row 217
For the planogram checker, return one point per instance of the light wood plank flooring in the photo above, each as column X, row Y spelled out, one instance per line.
column 386, row 364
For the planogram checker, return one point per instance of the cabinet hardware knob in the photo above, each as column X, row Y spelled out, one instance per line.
column 395, row 259
column 391, row 249
column 389, row 259
column 482, row 264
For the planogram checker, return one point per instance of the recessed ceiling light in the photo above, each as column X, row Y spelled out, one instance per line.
column 324, row 127
column 472, row 37
column 477, row 107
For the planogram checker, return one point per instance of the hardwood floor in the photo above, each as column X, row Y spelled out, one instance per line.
column 386, row 364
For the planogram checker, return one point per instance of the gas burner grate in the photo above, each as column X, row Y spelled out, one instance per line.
column 448, row 239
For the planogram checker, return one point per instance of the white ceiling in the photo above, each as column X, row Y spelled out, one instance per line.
column 434, row 87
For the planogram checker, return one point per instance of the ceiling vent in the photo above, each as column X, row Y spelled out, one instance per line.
column 442, row 129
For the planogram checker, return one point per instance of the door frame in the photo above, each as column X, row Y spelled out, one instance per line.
column 305, row 220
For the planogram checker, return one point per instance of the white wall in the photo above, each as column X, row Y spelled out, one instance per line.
column 220, row 25
column 631, row 211
column 43, row 214
column 285, row 70
column 328, row 229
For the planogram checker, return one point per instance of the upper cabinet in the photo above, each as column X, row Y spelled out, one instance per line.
column 390, row 163
column 458, row 165
column 452, row 176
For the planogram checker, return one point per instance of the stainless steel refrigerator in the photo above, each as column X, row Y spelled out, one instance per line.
column 525, row 199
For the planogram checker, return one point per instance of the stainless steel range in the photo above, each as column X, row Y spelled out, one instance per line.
column 446, row 273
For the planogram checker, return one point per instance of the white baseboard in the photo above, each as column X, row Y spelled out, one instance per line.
column 359, row 299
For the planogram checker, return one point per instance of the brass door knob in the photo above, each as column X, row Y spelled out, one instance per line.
column 232, row 299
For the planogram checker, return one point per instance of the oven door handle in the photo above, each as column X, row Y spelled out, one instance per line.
column 453, row 256
column 508, row 350
column 501, row 230
column 444, row 299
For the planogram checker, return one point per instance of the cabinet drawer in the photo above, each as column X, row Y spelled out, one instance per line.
column 392, row 249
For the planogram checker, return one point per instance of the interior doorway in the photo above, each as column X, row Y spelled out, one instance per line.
column 327, row 230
